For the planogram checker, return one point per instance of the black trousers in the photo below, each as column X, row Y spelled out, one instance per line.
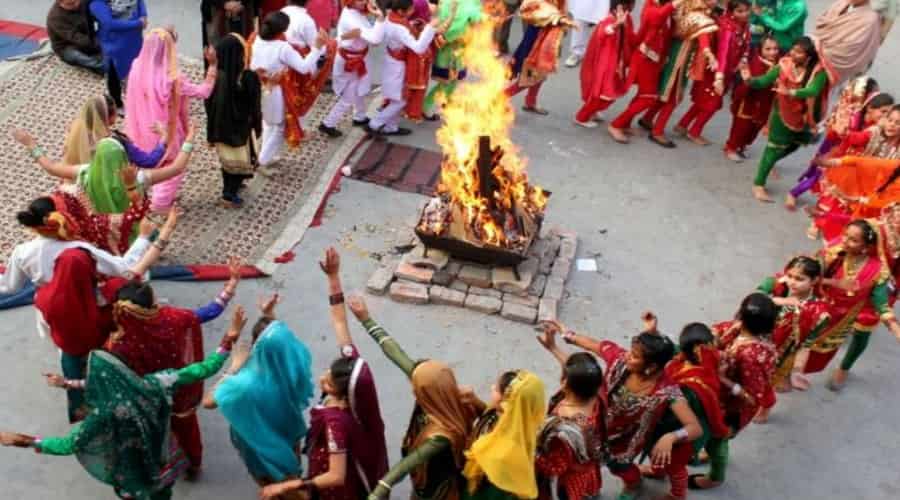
column 114, row 85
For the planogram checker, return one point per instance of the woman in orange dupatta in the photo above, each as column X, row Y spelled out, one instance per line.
column 538, row 54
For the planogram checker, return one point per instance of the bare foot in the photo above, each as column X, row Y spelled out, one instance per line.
column 762, row 416
column 699, row 140
column 617, row 134
column 734, row 156
column 812, row 232
column 760, row 193
column 680, row 131
column 838, row 379
column 783, row 386
column 790, row 202
column 799, row 381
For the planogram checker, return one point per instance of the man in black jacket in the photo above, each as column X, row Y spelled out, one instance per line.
column 72, row 35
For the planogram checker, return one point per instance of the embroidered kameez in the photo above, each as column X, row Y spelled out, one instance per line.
column 125, row 440
column 793, row 116
column 537, row 56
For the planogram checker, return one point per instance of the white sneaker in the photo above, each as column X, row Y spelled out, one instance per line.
column 573, row 61
column 587, row 124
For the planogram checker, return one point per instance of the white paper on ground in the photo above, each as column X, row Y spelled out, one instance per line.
column 587, row 265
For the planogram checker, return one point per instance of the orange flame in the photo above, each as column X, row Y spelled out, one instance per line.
column 479, row 107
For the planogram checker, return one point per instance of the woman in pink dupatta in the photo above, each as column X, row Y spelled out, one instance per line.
column 158, row 92
column 847, row 37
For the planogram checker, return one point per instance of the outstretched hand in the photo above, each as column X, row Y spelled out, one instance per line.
column 55, row 380
column 15, row 439
column 331, row 265
column 547, row 338
column 267, row 306
column 24, row 138
column 358, row 306
column 238, row 322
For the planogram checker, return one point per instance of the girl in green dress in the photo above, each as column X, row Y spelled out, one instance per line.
column 125, row 440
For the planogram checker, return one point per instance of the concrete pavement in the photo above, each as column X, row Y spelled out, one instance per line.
column 675, row 231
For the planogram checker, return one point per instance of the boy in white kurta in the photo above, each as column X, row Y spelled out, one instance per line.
column 351, row 78
column 302, row 30
column 271, row 59
column 398, row 39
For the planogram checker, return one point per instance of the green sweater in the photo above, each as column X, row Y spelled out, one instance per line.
column 785, row 21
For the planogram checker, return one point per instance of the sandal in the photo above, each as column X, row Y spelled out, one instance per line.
column 664, row 141
column 535, row 110
column 694, row 485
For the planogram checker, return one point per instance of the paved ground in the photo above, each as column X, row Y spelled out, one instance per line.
column 674, row 231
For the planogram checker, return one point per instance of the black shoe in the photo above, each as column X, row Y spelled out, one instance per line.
column 399, row 131
column 433, row 117
column 361, row 123
column 645, row 124
column 330, row 131
column 664, row 141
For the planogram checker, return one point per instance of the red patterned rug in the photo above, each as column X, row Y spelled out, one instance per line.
column 44, row 95
column 397, row 166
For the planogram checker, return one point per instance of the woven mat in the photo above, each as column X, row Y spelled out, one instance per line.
column 400, row 167
column 44, row 95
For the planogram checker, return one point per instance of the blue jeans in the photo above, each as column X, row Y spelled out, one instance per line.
column 78, row 58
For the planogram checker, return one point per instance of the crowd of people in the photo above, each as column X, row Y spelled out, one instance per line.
column 133, row 369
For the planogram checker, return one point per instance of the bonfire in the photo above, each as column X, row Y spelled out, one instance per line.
column 484, row 199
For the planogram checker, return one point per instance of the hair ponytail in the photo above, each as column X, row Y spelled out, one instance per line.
column 37, row 212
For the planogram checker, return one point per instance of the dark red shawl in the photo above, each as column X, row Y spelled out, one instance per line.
column 703, row 380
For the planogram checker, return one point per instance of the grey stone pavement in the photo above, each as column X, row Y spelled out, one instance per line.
column 675, row 231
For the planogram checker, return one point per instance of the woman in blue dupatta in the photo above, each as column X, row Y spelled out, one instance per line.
column 265, row 400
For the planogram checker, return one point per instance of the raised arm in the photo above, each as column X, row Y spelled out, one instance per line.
column 157, row 175
column 388, row 345
column 331, row 267
column 418, row 457
column 786, row 18
column 215, row 308
column 54, row 168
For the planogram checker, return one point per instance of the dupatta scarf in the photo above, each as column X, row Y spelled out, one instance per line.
column 847, row 41
column 124, row 441
column 371, row 459
column 154, row 95
column 703, row 380
column 506, row 455
column 233, row 110
column 101, row 180
column 265, row 403
column 158, row 338
column 607, row 57
column 86, row 131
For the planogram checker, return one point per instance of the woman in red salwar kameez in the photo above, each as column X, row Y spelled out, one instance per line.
column 750, row 108
column 418, row 67
column 707, row 94
column 856, row 282
column 638, row 393
column 151, row 338
column 603, row 71
column 746, row 369
column 802, row 315
column 571, row 443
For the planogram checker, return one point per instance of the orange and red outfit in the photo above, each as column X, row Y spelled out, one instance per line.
column 733, row 44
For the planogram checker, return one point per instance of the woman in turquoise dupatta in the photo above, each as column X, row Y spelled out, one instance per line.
column 264, row 402
column 125, row 440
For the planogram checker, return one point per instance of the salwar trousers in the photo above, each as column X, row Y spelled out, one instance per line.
column 349, row 100
column 531, row 94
